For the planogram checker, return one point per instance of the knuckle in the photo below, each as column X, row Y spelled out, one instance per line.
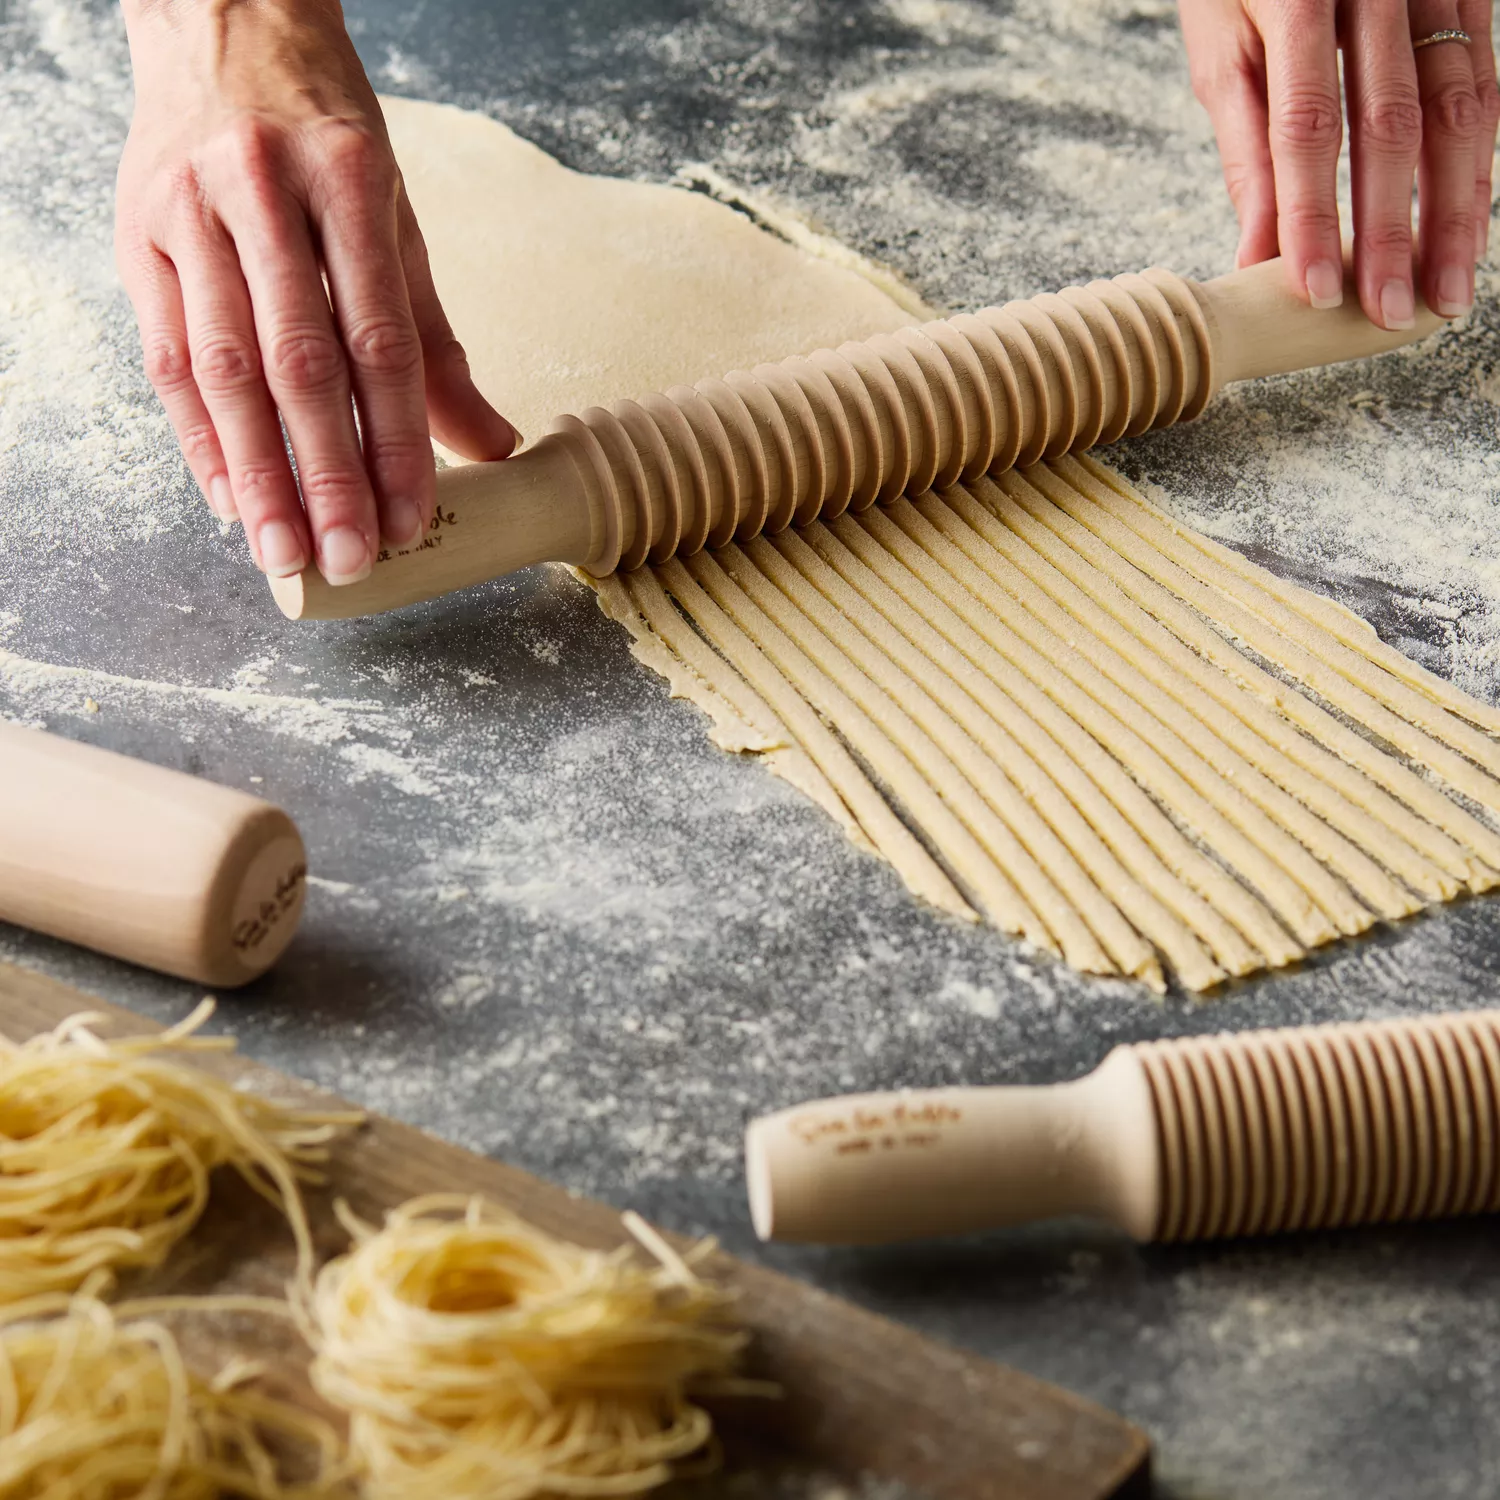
column 253, row 147
column 341, row 491
column 1455, row 227
column 1207, row 82
column 1487, row 93
column 352, row 154
column 303, row 359
column 199, row 443
column 181, row 191
column 1387, row 241
column 1241, row 181
column 440, row 346
column 1392, row 123
column 1311, row 221
column 259, row 486
column 168, row 362
column 1215, row 77
column 1310, row 123
column 1297, row 18
column 385, row 346
column 399, row 453
column 225, row 361
column 1453, row 110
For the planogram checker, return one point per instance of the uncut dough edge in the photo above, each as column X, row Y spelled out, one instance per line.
column 569, row 291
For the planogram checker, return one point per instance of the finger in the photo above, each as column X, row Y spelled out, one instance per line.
column 1385, row 139
column 1445, row 176
column 354, row 206
column 306, row 371
column 1306, row 128
column 226, row 367
column 1241, row 126
column 1474, row 16
column 462, row 419
column 151, row 283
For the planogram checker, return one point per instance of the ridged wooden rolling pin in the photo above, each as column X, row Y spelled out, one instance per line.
column 144, row 863
column 843, row 429
column 1307, row 1128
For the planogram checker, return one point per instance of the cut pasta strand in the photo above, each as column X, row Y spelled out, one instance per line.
column 1065, row 694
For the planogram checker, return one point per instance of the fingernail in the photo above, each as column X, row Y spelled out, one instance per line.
column 403, row 522
column 221, row 499
column 1325, row 284
column 1455, row 291
column 344, row 556
column 1397, row 307
column 281, row 552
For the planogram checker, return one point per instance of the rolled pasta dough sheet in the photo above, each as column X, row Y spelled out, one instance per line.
column 1175, row 798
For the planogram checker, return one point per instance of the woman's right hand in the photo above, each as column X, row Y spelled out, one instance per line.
column 257, row 167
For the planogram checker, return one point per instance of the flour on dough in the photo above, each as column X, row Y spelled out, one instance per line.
column 571, row 291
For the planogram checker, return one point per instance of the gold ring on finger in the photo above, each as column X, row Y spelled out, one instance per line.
column 1448, row 34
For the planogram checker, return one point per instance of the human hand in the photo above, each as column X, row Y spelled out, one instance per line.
column 257, row 166
column 1267, row 72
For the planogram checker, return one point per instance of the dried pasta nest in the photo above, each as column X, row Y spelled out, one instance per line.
column 478, row 1356
column 107, row 1146
column 98, row 1404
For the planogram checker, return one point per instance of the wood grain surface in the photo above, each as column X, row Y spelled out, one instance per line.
column 863, row 1396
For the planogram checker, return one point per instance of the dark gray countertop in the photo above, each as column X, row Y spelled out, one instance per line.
column 549, row 921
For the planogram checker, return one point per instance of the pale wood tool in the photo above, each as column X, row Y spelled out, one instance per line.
column 1306, row 1128
column 843, row 429
column 144, row 863
column 863, row 1397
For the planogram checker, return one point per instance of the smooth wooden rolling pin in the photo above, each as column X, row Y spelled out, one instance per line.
column 144, row 863
column 1306, row 1128
column 843, row 429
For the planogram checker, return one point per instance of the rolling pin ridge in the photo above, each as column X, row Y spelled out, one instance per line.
column 1321, row 1127
column 840, row 430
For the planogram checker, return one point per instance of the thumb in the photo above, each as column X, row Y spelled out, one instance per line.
column 458, row 415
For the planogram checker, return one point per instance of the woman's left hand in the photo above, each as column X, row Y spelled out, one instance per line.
column 1267, row 71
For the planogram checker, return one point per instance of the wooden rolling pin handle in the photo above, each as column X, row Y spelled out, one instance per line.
column 1259, row 326
column 489, row 520
column 874, row 1168
column 844, row 429
column 1196, row 1138
column 143, row 863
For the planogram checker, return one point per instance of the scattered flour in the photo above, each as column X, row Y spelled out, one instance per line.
column 32, row 691
column 83, row 441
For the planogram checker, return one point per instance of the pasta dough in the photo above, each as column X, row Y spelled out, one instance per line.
column 569, row 291
column 1038, row 696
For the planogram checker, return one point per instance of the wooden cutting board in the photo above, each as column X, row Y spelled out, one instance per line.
column 866, row 1399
